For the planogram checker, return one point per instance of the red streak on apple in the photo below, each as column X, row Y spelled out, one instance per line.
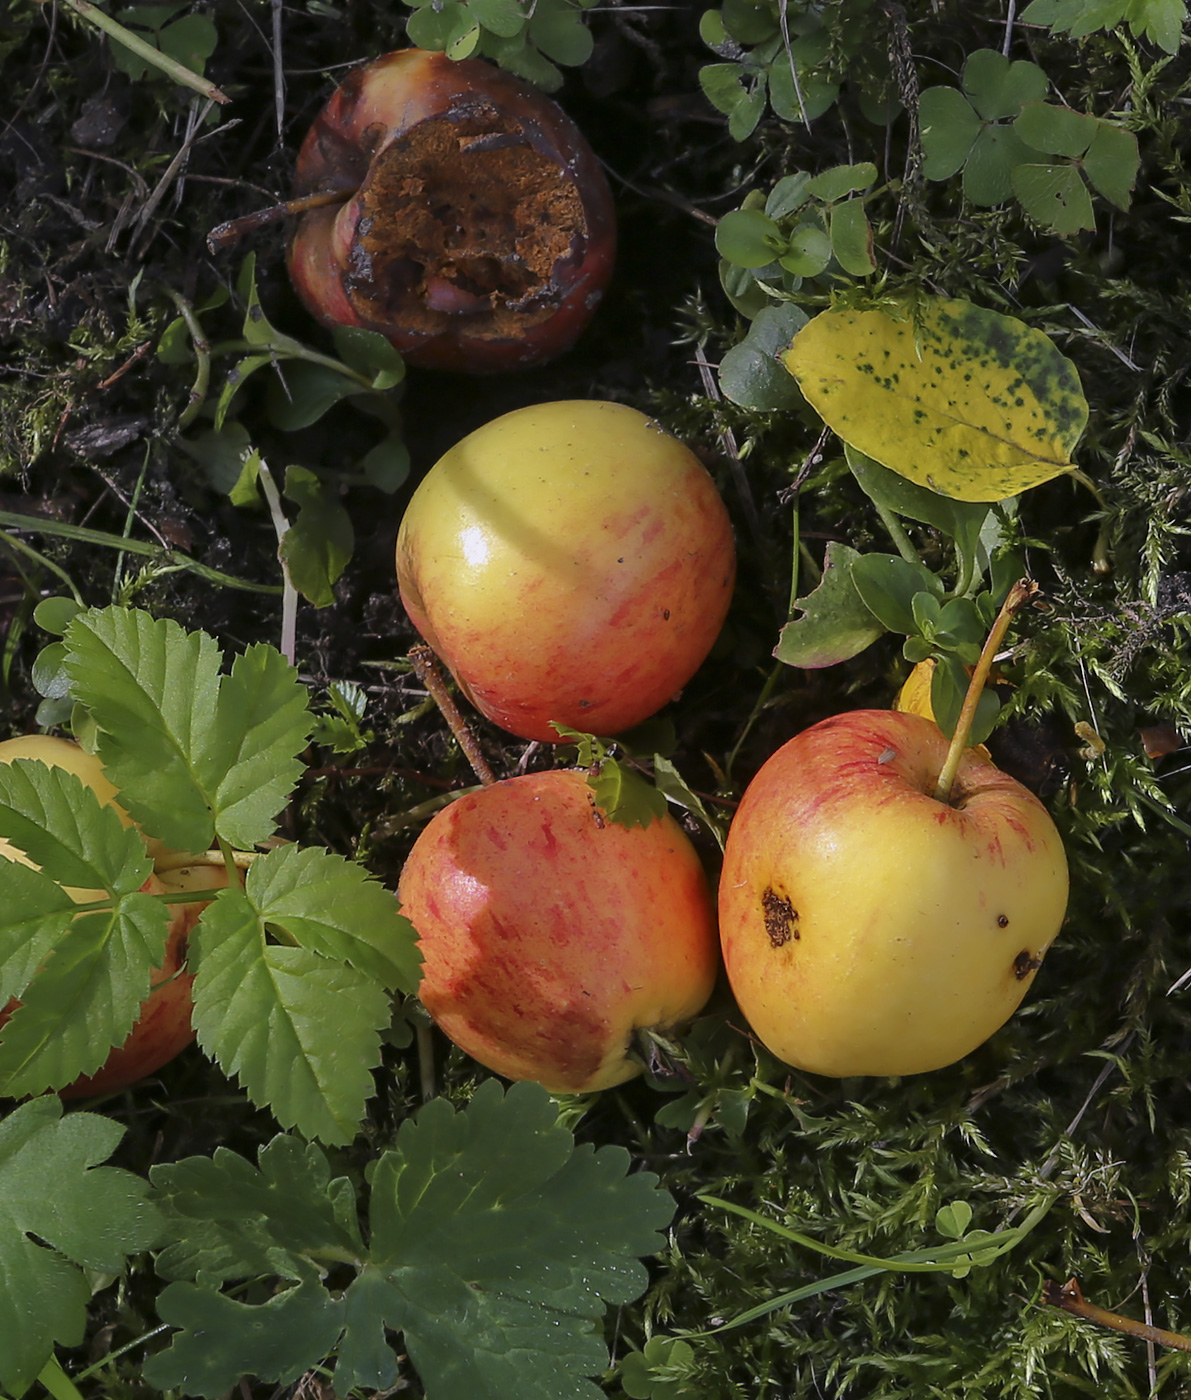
column 868, row 928
column 570, row 561
column 476, row 229
column 549, row 935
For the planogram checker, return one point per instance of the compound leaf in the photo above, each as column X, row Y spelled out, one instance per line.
column 496, row 1244
column 963, row 401
column 60, row 1212
column 999, row 88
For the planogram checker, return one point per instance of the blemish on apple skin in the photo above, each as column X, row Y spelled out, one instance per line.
column 781, row 918
column 1002, row 920
column 887, row 756
column 1024, row 964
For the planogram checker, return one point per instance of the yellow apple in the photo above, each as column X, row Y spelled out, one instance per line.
column 549, row 934
column 869, row 928
column 570, row 561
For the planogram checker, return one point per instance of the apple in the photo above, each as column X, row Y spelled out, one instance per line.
column 163, row 1027
column 869, row 928
column 457, row 210
column 569, row 561
column 550, row 935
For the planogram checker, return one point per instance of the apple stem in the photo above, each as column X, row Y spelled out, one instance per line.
column 235, row 229
column 1020, row 594
column 426, row 668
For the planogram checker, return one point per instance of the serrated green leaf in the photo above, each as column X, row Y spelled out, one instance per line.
column 835, row 623
column 85, row 998
column 752, row 374
column 300, row 1031
column 192, row 752
column 335, row 908
column 1054, row 196
column 624, row 796
column 948, row 127
column 58, row 822
column 59, row 1212
column 496, row 1244
column 318, row 545
column 887, row 584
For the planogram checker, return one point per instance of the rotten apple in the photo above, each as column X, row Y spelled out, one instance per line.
column 456, row 210
column 570, row 561
column 550, row 935
column 870, row 928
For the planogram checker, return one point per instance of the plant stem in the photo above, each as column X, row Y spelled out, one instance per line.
column 899, row 537
column 170, row 66
column 235, row 229
column 1021, row 592
column 425, row 665
column 289, row 594
column 1068, row 1297
column 202, row 357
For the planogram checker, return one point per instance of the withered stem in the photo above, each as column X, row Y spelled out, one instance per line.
column 426, row 668
column 224, row 234
column 1068, row 1297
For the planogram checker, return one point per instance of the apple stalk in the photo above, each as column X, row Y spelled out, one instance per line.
column 425, row 663
column 1019, row 595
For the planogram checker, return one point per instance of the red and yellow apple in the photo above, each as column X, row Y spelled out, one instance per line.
column 869, row 928
column 570, row 561
column 163, row 1028
column 468, row 220
column 549, row 934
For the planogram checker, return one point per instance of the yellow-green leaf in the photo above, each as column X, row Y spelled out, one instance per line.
column 964, row 401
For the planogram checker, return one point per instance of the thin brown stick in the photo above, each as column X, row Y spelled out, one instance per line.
column 235, row 229
column 425, row 665
column 1068, row 1297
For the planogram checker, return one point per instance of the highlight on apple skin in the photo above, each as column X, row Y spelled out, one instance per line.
column 870, row 929
column 569, row 561
column 550, row 935
column 471, row 223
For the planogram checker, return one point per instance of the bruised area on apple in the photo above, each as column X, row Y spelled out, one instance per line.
column 549, row 934
column 571, row 561
column 870, row 929
column 472, row 225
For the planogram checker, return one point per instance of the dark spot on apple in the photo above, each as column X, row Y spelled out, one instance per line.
column 666, row 614
column 1002, row 920
column 781, row 918
column 1025, row 963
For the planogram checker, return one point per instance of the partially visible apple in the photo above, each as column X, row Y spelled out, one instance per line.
column 549, row 935
column 163, row 1028
column 569, row 561
column 869, row 928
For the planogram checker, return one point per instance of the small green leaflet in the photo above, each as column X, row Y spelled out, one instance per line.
column 495, row 1245
column 1160, row 20
column 60, row 1213
column 81, row 976
column 194, row 752
column 619, row 792
column 292, row 980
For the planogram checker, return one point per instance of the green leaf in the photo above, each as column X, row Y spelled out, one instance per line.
column 1056, row 131
column 808, row 251
column 835, row 624
column 561, row 34
column 887, row 585
column 958, row 519
column 852, row 238
column 995, row 154
column 1054, row 196
column 749, row 238
column 223, row 453
column 953, row 1219
column 60, row 1212
column 963, row 401
column 300, row 1025
column 496, row 1245
column 56, row 614
column 504, row 17
column 674, row 787
column 434, row 27
column 813, row 93
column 752, row 374
column 948, row 689
column 789, row 195
column 651, row 1374
column 304, row 392
column 191, row 40
column 624, row 796
column 192, row 752
column 948, row 127
column 318, row 545
column 842, row 180
column 368, row 352
column 36, row 913
column 730, row 90
column 1112, row 161
column 998, row 88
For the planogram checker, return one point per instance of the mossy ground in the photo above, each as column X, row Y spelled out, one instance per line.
column 1085, row 1093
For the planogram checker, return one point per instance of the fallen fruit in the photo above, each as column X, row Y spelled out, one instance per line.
column 163, row 1027
column 869, row 928
column 549, row 935
column 469, row 221
column 570, row 561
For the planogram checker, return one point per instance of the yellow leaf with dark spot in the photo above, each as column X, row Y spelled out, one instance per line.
column 964, row 401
